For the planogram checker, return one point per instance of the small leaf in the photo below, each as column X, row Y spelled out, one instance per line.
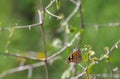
column 41, row 56
column 72, row 29
column 95, row 58
column 106, row 49
column 58, row 4
column 90, row 68
column 81, row 31
column 86, row 57
column 91, row 52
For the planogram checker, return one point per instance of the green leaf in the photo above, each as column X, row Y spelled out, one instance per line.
column 58, row 4
column 90, row 68
column 73, row 29
column 86, row 57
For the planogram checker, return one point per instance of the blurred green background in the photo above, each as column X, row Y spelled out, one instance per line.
column 24, row 12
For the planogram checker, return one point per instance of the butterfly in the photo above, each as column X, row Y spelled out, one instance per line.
column 75, row 57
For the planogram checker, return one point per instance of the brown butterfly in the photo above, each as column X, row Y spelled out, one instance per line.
column 75, row 57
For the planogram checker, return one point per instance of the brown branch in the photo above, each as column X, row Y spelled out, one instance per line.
column 81, row 15
column 41, row 20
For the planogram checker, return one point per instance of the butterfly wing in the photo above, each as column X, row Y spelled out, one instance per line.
column 75, row 57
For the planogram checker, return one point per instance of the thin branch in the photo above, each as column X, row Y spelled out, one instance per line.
column 81, row 74
column 25, row 67
column 73, row 12
column 46, row 9
column 111, row 24
column 38, row 24
column 20, row 56
column 41, row 20
column 112, row 48
column 87, row 74
column 105, row 75
column 111, row 69
column 30, row 71
column 68, row 45
column 81, row 15
column 21, row 27
column 73, row 1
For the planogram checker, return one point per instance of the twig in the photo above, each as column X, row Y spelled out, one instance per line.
column 25, row 67
column 111, row 24
column 80, row 75
column 20, row 56
column 68, row 45
column 73, row 12
column 38, row 24
column 46, row 9
column 41, row 20
column 8, row 41
column 87, row 74
column 21, row 27
column 81, row 15
column 73, row 1
column 30, row 71
column 110, row 66
column 105, row 75
column 112, row 48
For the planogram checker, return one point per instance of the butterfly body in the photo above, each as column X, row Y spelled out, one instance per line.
column 75, row 57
